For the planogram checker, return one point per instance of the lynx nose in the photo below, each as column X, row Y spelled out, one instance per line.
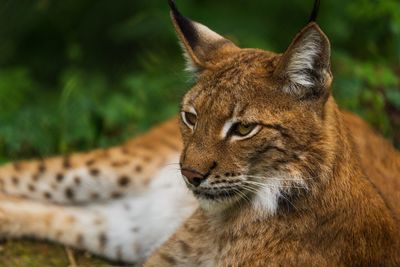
column 193, row 177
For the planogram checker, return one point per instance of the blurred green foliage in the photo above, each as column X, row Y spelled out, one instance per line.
column 79, row 74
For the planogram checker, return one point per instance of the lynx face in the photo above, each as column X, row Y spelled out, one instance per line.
column 253, row 124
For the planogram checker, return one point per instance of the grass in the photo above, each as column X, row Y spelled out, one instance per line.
column 30, row 253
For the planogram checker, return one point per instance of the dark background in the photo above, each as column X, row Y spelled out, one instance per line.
column 79, row 74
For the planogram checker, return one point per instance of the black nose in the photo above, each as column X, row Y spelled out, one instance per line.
column 193, row 177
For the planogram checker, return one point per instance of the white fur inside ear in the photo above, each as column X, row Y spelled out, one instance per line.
column 191, row 66
column 207, row 36
column 302, row 62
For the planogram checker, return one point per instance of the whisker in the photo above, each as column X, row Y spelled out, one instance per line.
column 267, row 180
column 244, row 196
column 275, row 178
column 251, row 189
column 266, row 185
column 241, row 195
column 283, row 196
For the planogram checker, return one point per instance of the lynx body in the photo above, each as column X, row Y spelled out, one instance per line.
column 267, row 171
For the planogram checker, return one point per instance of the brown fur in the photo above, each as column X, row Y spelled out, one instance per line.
column 346, row 215
column 339, row 180
column 379, row 160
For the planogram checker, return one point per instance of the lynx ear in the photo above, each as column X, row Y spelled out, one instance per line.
column 202, row 47
column 304, row 68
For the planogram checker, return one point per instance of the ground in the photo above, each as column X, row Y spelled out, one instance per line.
column 28, row 253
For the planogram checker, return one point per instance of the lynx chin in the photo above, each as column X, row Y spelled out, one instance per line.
column 260, row 168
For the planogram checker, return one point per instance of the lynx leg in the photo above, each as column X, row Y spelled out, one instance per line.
column 96, row 175
column 127, row 229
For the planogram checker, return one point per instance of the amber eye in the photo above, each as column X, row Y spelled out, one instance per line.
column 241, row 129
column 189, row 118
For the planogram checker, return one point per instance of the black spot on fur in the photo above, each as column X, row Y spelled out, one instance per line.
column 66, row 162
column 138, row 168
column 59, row 177
column 77, row 180
column 31, row 188
column 123, row 181
column 15, row 180
column 102, row 240
column 47, row 195
column 116, row 195
column 94, row 172
column 90, row 162
column 69, row 193
column 35, row 177
column 41, row 167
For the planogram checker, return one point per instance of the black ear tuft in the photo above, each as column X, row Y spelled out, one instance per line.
column 201, row 45
column 314, row 13
column 173, row 6
column 185, row 24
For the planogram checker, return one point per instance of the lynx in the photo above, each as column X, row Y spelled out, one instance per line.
column 270, row 172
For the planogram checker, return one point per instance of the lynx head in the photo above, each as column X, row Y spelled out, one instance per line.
column 253, row 125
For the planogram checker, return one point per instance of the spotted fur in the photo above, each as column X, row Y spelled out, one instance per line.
column 314, row 187
column 119, row 203
column 93, row 176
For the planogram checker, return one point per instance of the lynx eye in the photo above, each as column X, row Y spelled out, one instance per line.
column 243, row 131
column 189, row 119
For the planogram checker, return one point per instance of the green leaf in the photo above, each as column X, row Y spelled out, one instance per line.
column 393, row 96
